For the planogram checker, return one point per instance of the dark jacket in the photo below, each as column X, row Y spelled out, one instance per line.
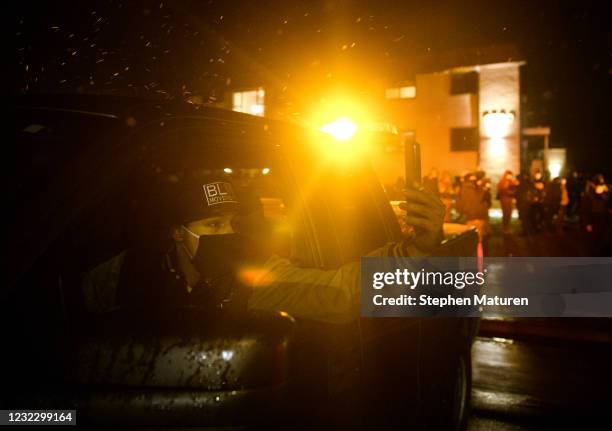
column 148, row 282
column 552, row 195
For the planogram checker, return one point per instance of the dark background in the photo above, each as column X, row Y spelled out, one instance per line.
column 183, row 48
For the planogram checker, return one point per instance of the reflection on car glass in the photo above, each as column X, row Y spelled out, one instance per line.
column 34, row 128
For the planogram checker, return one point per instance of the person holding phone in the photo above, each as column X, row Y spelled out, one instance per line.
column 332, row 296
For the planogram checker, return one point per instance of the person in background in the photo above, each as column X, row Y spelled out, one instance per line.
column 562, row 207
column 458, row 182
column 574, row 190
column 535, row 201
column 522, row 203
column 473, row 204
column 552, row 203
column 484, row 183
column 595, row 215
column 430, row 182
column 506, row 193
column 448, row 195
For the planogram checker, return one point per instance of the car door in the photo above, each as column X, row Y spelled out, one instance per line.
column 55, row 172
column 217, row 355
column 375, row 358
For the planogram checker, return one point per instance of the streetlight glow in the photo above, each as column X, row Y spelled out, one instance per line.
column 497, row 148
column 497, row 124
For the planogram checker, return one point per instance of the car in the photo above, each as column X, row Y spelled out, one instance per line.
column 80, row 171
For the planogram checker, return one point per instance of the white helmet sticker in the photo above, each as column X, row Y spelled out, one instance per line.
column 219, row 192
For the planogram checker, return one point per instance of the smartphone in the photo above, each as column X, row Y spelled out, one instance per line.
column 412, row 154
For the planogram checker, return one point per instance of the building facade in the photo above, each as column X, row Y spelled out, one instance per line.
column 465, row 117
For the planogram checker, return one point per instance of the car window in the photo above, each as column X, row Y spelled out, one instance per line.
column 246, row 159
column 349, row 211
column 45, row 144
column 45, row 162
column 188, row 153
column 183, row 153
column 358, row 216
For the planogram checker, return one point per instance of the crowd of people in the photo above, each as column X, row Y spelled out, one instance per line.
column 543, row 204
column 546, row 204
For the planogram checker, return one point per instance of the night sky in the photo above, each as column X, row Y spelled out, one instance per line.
column 183, row 48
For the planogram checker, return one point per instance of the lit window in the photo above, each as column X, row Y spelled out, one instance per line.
column 408, row 92
column 393, row 93
column 249, row 102
column 237, row 101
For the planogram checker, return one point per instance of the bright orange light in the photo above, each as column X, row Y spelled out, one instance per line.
column 344, row 121
column 342, row 128
column 339, row 115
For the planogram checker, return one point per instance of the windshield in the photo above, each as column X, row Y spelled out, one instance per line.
column 47, row 143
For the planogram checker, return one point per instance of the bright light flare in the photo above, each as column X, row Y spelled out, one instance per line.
column 343, row 121
column 343, row 129
column 255, row 276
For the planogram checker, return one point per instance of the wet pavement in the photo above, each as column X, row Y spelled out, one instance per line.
column 539, row 384
column 570, row 242
column 480, row 423
column 541, row 374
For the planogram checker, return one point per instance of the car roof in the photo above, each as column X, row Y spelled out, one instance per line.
column 122, row 107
